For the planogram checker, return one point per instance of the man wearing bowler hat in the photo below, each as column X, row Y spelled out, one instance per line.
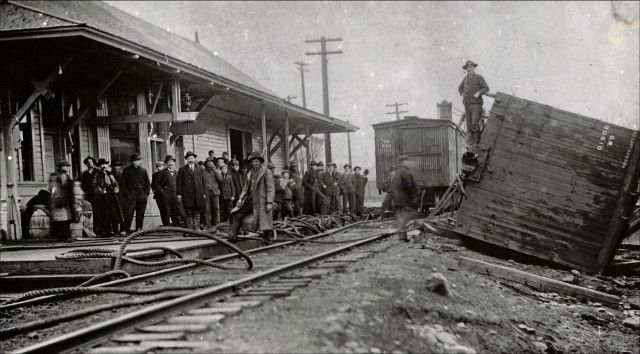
column 191, row 190
column 472, row 87
column 329, row 180
column 166, row 185
column 136, row 186
column 257, row 199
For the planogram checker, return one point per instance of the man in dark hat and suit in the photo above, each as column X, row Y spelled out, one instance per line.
column 157, row 192
column 297, row 190
column 191, row 190
column 234, row 171
column 107, row 213
column 360, row 184
column 136, row 186
column 330, row 189
column 322, row 202
column 404, row 191
column 61, row 209
column 166, row 185
column 472, row 87
column 348, row 188
column 257, row 199
column 310, row 183
column 86, row 178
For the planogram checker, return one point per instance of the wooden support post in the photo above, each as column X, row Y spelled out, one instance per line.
column 286, row 139
column 175, row 98
column 263, row 116
column 155, row 101
column 308, row 145
column 14, row 230
column 538, row 282
column 69, row 124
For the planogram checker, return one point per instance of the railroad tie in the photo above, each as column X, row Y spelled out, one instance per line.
column 186, row 327
column 201, row 319
column 138, row 337
column 224, row 310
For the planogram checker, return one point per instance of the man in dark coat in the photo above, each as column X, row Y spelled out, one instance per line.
column 107, row 214
column 157, row 192
column 297, row 189
column 348, row 189
column 256, row 199
column 360, row 184
column 329, row 183
column 404, row 191
column 472, row 87
column 166, row 184
column 322, row 202
column 136, row 185
column 387, row 202
column 191, row 190
column 86, row 178
column 234, row 171
column 310, row 183
column 213, row 179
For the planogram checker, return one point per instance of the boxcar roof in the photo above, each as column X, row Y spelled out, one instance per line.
column 421, row 122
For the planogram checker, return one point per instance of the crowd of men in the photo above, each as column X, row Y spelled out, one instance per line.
column 202, row 194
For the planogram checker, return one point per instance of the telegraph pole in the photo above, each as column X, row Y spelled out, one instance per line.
column 301, row 66
column 325, row 83
column 397, row 112
column 289, row 98
column 349, row 144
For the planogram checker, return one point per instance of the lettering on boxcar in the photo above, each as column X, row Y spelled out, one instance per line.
column 606, row 140
column 628, row 154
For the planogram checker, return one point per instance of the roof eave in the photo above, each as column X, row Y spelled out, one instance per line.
column 134, row 48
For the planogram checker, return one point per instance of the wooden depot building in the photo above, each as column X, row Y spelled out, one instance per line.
column 85, row 79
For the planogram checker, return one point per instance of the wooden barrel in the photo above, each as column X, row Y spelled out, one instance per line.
column 39, row 224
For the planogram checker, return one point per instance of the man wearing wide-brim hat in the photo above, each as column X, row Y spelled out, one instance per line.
column 255, row 199
column 136, row 186
column 107, row 214
column 472, row 87
column 191, row 191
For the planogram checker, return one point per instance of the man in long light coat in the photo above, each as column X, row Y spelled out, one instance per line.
column 256, row 199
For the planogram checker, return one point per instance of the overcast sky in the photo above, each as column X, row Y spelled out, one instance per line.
column 578, row 56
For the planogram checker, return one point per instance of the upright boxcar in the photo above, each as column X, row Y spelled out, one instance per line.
column 434, row 147
column 552, row 184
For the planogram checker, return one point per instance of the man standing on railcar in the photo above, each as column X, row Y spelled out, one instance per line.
column 136, row 185
column 472, row 87
column 404, row 191
column 257, row 199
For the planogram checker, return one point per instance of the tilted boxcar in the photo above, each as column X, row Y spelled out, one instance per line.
column 552, row 184
column 434, row 147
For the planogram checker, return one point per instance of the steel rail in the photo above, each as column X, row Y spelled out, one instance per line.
column 102, row 331
column 183, row 268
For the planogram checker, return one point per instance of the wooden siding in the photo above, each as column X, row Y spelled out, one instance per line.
column 39, row 172
column 555, row 181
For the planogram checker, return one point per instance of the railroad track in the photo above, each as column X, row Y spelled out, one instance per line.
column 270, row 277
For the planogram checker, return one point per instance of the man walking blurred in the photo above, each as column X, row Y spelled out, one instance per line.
column 404, row 191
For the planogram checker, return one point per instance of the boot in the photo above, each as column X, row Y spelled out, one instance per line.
column 267, row 235
column 196, row 222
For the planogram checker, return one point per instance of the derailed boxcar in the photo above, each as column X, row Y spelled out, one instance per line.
column 434, row 147
column 552, row 184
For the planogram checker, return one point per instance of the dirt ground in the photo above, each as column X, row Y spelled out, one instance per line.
column 382, row 305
